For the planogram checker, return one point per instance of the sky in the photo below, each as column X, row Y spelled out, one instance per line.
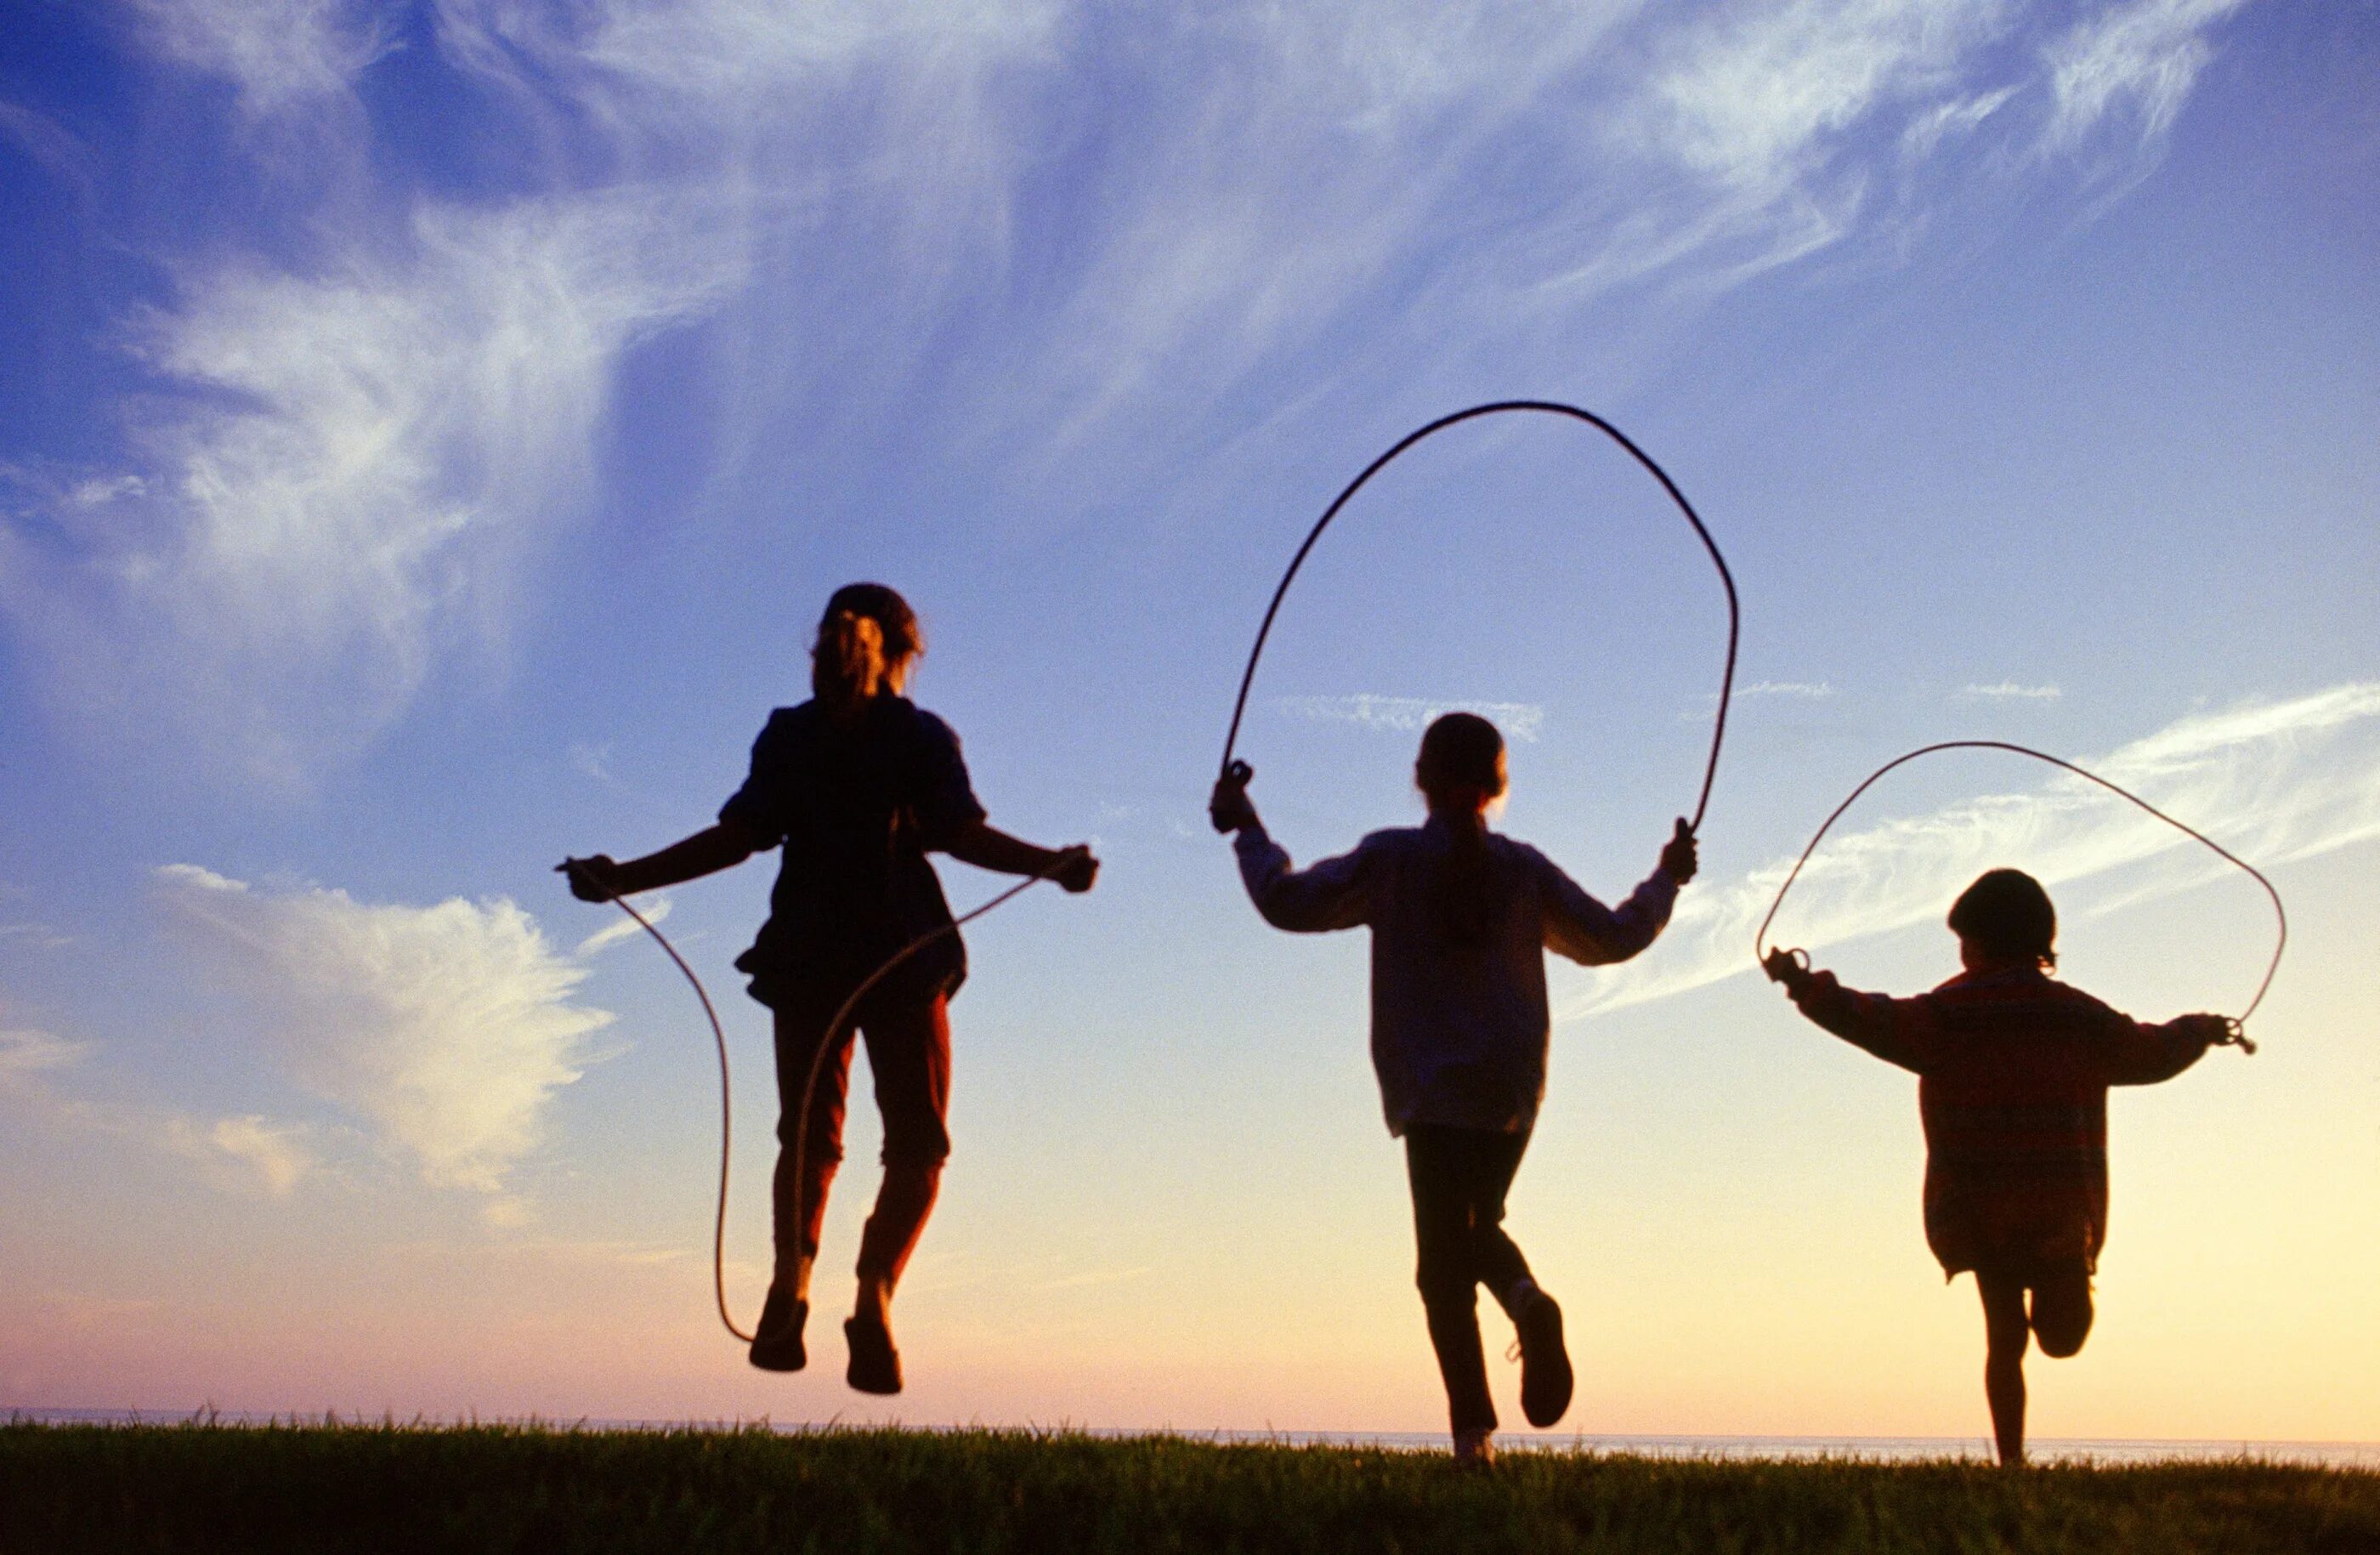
column 427, row 433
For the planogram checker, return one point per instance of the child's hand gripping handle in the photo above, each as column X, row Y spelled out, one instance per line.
column 2235, row 1034
column 1228, row 807
column 591, row 878
column 1680, row 859
column 1790, row 968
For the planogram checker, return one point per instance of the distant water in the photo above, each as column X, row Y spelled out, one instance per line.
column 1874, row 1448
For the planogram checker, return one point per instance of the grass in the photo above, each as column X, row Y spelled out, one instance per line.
column 207, row 1487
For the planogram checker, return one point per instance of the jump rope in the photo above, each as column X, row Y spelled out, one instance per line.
column 1240, row 771
column 2235, row 1034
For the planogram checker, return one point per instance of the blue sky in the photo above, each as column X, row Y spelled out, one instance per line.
column 427, row 434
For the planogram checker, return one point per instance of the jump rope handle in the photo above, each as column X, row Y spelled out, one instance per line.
column 575, row 870
column 1238, row 772
column 2235, row 1034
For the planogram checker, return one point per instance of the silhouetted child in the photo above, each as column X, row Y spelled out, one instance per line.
column 1461, row 919
column 857, row 784
column 2013, row 1069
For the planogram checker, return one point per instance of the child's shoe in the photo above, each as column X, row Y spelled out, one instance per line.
column 1475, row 1450
column 777, row 1337
column 1545, row 1377
column 875, row 1365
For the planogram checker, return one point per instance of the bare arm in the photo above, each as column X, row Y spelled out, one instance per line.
column 987, row 847
column 719, row 846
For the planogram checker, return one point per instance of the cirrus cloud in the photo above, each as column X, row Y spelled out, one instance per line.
column 2274, row 781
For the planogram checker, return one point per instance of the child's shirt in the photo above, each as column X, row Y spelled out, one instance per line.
column 857, row 806
column 2013, row 1069
column 1459, row 1030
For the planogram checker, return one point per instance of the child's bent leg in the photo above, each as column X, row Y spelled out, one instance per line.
column 1495, row 1256
column 2005, row 1336
column 799, row 1031
column 1444, row 1214
column 909, row 1053
column 2061, row 1310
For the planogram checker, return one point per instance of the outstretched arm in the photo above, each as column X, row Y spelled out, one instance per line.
column 1332, row 894
column 1868, row 1021
column 2143, row 1055
column 1582, row 929
column 716, row 847
column 987, row 847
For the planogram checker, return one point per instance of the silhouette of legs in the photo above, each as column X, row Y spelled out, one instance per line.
column 2060, row 1317
column 800, row 1185
column 2062, row 1311
column 2005, row 1334
column 909, row 1056
column 1460, row 1177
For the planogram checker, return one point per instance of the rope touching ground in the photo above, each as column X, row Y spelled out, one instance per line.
column 1552, row 407
column 719, row 1038
column 2238, row 1023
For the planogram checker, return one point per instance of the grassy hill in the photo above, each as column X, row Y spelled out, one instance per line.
column 228, row 1488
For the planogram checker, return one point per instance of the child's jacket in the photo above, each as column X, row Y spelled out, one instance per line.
column 1459, row 1030
column 2013, row 1069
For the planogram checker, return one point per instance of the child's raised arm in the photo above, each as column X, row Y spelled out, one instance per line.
column 1871, row 1021
column 1332, row 894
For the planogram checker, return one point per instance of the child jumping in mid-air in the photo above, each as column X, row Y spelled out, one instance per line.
column 2013, row 1069
column 857, row 784
column 1461, row 919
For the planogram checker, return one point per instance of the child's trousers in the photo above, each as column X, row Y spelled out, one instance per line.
column 909, row 1054
column 1460, row 1177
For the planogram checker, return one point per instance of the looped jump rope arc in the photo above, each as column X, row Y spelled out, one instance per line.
column 1242, row 772
column 2238, row 1023
column 809, row 1085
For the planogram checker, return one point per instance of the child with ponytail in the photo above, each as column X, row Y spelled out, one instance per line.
column 1460, row 918
column 857, row 784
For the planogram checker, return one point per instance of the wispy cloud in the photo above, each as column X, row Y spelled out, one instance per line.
column 50, row 144
column 2009, row 690
column 1814, row 690
column 655, row 910
column 1519, row 720
column 1754, row 98
column 276, row 54
column 447, row 1028
column 273, row 1155
column 364, row 458
column 2274, row 781
column 26, row 1055
column 356, row 448
column 2135, row 61
column 249, row 1152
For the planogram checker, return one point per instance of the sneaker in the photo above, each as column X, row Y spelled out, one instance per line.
column 777, row 1337
column 1546, row 1379
column 1475, row 1450
column 875, row 1365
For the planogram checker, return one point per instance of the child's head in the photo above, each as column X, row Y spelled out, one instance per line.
column 1461, row 769
column 2005, row 916
column 866, row 640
